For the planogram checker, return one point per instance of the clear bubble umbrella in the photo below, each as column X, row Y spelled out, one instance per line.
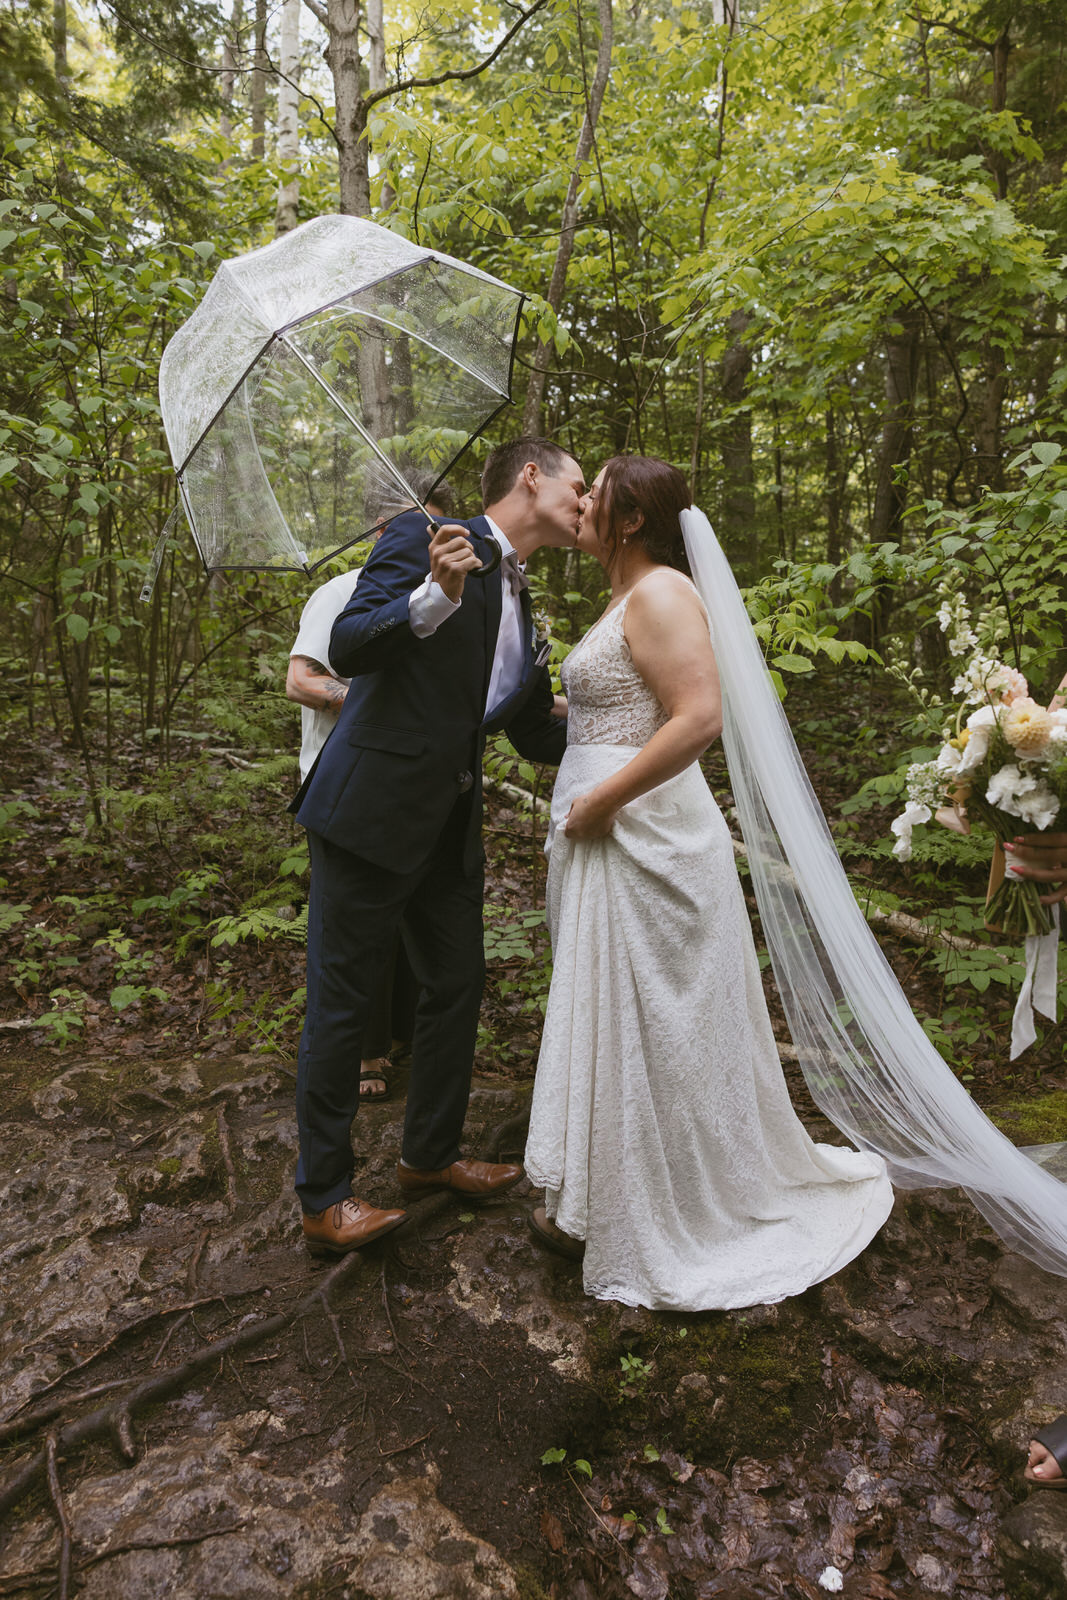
column 322, row 380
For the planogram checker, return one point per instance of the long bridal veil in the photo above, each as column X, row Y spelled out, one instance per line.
column 865, row 1058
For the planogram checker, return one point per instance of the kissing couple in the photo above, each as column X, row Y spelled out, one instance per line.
column 661, row 1130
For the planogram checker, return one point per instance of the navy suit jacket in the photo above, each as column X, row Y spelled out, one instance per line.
column 410, row 733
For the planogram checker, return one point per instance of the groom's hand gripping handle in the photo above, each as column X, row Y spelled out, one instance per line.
column 451, row 558
column 449, row 539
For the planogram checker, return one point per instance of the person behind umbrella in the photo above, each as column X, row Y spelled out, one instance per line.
column 438, row 658
column 320, row 693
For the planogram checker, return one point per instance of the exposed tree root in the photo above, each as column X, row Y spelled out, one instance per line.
column 20, row 1581
column 59, row 1505
column 227, row 1155
column 187, row 1306
column 117, row 1421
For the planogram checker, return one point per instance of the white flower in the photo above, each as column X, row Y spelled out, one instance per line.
column 924, row 782
column 988, row 680
column 1040, row 807
column 1027, row 727
column 980, row 725
column 949, row 758
column 1022, row 795
column 909, row 818
column 831, row 1580
column 1006, row 786
column 954, row 619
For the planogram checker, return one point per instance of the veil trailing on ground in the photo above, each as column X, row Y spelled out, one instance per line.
column 865, row 1058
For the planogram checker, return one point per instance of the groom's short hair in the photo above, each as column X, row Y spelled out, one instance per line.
column 504, row 464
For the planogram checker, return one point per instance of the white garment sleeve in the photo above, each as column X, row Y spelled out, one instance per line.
column 428, row 607
column 320, row 613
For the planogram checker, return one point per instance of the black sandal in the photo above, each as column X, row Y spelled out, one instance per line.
column 546, row 1233
column 374, row 1075
column 1054, row 1439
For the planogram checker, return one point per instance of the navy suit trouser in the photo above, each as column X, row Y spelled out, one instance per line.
column 354, row 912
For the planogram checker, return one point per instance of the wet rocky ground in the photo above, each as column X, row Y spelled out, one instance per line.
column 194, row 1408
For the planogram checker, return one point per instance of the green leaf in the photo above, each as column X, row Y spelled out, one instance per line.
column 551, row 1458
column 1046, row 452
column 123, row 995
column 583, row 1467
column 77, row 626
column 792, row 663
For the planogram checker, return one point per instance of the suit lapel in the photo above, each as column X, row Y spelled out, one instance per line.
column 527, row 633
column 490, row 588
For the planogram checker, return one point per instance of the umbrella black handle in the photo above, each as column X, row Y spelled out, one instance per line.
column 487, row 566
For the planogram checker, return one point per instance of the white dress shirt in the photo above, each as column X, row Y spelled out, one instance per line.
column 429, row 606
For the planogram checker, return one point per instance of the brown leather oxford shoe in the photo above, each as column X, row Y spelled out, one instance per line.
column 478, row 1180
column 347, row 1226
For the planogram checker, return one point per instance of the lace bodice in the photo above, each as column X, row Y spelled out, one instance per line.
column 607, row 699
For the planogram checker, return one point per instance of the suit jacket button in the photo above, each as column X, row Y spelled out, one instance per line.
column 465, row 781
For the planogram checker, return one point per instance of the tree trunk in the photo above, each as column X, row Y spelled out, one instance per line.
column 230, row 50
column 990, row 403
column 779, row 480
column 1000, row 49
column 287, row 214
column 894, row 453
column 377, row 79
column 343, row 59
column 740, row 535
column 698, row 424
column 535, row 389
column 259, row 82
column 59, row 46
column 835, row 485
column 994, row 385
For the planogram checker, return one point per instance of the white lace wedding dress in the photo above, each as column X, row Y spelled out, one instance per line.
column 661, row 1129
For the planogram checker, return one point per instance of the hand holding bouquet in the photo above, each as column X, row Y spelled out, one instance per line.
column 1003, row 764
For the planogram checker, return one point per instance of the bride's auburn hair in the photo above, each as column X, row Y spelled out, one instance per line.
column 659, row 492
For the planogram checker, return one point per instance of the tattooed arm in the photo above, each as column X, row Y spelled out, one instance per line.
column 311, row 684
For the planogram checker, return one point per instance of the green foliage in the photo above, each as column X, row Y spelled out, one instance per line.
column 819, row 192
column 634, row 1375
column 556, row 1456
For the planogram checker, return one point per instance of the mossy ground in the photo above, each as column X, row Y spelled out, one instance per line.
column 1041, row 1120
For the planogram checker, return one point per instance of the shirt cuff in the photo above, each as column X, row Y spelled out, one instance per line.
column 428, row 607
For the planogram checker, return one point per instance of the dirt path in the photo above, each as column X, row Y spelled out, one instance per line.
column 388, row 1441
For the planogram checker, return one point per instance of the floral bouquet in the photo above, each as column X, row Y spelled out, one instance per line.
column 1003, row 764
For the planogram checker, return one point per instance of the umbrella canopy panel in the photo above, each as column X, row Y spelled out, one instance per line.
column 322, row 382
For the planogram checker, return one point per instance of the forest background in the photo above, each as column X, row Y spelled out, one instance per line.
column 810, row 251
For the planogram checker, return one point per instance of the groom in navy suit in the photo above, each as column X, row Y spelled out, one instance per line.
column 437, row 659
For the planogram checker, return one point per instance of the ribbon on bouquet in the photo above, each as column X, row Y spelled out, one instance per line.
column 1038, row 992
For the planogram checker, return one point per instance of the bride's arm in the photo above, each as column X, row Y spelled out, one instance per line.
column 667, row 632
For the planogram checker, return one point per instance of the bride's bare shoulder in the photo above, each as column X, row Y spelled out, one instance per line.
column 664, row 590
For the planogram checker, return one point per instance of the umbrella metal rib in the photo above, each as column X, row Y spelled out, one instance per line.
column 324, row 383
column 372, row 316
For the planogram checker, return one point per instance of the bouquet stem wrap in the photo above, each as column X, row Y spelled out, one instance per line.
column 1038, row 992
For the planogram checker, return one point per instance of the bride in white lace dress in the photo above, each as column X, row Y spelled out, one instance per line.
column 661, row 1127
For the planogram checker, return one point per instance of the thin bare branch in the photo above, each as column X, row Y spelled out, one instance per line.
column 461, row 74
